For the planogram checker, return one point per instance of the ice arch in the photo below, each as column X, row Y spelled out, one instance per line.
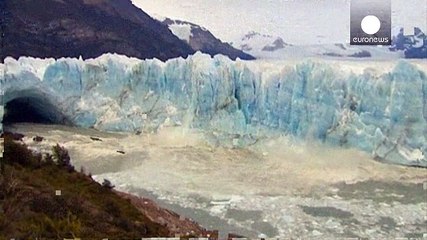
column 31, row 106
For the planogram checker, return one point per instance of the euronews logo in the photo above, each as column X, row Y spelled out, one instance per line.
column 370, row 22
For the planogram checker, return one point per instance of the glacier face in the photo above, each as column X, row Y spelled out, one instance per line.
column 340, row 103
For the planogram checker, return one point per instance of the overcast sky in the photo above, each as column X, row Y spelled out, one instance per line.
column 296, row 21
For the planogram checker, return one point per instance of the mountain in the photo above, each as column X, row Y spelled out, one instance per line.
column 413, row 46
column 200, row 39
column 87, row 28
column 264, row 46
column 301, row 22
column 259, row 44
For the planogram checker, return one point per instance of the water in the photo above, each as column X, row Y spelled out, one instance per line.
column 275, row 188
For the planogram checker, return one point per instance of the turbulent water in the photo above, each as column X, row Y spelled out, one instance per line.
column 377, row 107
column 275, row 188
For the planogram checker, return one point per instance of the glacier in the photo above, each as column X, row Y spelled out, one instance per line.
column 377, row 107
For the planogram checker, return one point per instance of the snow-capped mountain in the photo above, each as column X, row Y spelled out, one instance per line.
column 230, row 20
column 413, row 46
column 264, row 46
column 256, row 43
column 375, row 106
column 308, row 23
column 201, row 39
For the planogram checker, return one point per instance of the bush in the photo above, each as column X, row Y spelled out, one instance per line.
column 48, row 160
column 18, row 153
column 8, row 184
column 53, row 207
column 112, row 208
column 67, row 227
column 62, row 157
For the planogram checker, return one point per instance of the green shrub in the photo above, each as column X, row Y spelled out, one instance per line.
column 17, row 153
column 68, row 227
column 112, row 208
column 62, row 157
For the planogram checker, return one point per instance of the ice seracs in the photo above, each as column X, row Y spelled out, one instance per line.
column 378, row 107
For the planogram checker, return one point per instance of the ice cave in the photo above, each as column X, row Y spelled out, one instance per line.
column 30, row 107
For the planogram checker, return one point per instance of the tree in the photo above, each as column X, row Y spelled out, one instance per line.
column 61, row 155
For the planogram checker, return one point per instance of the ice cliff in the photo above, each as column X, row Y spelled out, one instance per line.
column 347, row 104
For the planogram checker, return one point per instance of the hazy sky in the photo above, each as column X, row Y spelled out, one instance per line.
column 296, row 21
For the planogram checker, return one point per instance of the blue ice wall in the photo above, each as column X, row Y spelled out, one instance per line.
column 383, row 112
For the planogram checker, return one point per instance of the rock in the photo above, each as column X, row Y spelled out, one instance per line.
column 14, row 136
column 361, row 54
column 96, row 139
column 38, row 139
column 121, row 152
column 232, row 235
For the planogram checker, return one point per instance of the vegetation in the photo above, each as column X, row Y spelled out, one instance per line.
column 30, row 209
column 62, row 157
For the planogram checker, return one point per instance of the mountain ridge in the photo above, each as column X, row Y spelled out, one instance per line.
column 201, row 39
column 87, row 28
